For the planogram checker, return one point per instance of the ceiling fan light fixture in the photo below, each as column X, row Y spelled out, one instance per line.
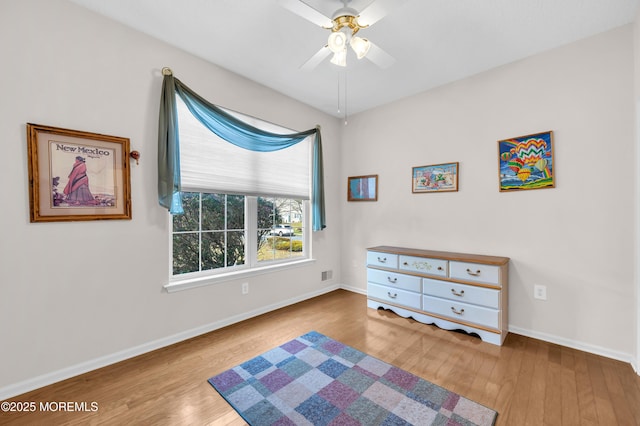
column 340, row 58
column 337, row 41
column 360, row 46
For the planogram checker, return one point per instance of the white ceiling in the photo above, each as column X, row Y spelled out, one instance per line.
column 434, row 42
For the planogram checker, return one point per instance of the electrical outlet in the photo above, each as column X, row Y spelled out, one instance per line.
column 540, row 292
column 245, row 288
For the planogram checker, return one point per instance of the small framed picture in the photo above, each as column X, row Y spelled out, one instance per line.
column 526, row 162
column 362, row 188
column 76, row 175
column 435, row 178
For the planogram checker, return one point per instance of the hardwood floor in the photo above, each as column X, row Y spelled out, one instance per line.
column 528, row 382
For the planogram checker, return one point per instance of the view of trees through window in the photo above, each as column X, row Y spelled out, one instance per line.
column 211, row 234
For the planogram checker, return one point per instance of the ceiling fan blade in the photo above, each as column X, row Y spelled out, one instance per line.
column 315, row 60
column 379, row 56
column 307, row 12
column 378, row 10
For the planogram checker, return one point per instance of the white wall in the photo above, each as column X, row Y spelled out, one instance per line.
column 637, row 178
column 578, row 239
column 75, row 295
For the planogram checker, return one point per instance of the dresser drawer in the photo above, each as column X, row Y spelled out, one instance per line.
column 405, row 282
column 462, row 293
column 394, row 295
column 386, row 260
column 462, row 311
column 423, row 265
column 476, row 272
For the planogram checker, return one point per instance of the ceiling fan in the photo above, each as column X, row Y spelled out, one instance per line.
column 344, row 24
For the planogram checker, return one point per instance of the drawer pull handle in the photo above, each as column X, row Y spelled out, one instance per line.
column 393, row 296
column 457, row 312
column 440, row 268
column 392, row 280
column 382, row 259
column 405, row 263
column 455, row 293
column 475, row 274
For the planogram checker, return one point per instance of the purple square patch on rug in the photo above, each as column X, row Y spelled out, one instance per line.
column 315, row 380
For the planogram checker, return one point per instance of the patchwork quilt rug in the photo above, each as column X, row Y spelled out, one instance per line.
column 315, row 380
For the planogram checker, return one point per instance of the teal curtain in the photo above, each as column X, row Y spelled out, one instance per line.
column 169, row 150
column 233, row 131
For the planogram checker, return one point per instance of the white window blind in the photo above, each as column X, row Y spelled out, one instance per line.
column 211, row 164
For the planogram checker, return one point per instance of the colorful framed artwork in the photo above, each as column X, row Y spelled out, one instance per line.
column 75, row 175
column 362, row 188
column 526, row 162
column 435, row 178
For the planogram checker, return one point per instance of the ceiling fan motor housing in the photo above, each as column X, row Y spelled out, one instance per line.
column 343, row 20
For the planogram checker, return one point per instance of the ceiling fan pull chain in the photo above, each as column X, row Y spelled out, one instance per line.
column 345, row 96
column 338, row 93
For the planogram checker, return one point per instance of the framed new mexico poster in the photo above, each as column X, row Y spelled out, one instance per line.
column 76, row 175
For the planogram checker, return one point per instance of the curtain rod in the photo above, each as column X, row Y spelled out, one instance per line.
column 167, row 71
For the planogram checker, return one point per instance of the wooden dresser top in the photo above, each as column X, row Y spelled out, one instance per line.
column 460, row 257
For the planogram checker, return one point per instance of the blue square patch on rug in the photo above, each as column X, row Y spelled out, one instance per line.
column 315, row 380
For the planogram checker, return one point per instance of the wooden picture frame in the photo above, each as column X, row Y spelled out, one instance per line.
column 362, row 188
column 435, row 178
column 526, row 162
column 76, row 175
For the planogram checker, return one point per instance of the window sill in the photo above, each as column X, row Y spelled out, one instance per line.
column 187, row 284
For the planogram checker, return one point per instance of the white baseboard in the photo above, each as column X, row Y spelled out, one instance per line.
column 594, row 349
column 597, row 350
column 353, row 289
column 84, row 367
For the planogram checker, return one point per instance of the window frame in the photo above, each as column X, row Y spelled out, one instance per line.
column 252, row 266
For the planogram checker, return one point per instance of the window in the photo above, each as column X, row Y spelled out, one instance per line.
column 213, row 234
column 210, row 234
column 280, row 229
column 243, row 210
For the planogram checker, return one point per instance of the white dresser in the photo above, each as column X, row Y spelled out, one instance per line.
column 455, row 291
